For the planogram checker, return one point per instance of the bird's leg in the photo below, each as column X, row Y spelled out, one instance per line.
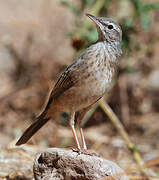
column 84, row 147
column 72, row 125
column 79, row 119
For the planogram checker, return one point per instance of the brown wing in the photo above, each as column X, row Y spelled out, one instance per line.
column 67, row 79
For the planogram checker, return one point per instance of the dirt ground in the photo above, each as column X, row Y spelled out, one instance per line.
column 34, row 49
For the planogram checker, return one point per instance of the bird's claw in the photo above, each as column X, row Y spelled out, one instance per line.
column 83, row 151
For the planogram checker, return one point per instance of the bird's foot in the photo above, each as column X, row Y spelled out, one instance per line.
column 84, row 151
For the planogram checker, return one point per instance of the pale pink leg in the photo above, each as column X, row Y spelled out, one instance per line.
column 79, row 119
column 72, row 125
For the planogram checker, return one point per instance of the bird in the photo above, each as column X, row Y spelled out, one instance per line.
column 84, row 82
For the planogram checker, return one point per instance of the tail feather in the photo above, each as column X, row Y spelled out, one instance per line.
column 31, row 130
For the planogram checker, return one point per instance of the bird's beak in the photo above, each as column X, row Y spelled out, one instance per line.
column 94, row 19
column 98, row 25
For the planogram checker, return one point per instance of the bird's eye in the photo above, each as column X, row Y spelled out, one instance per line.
column 110, row 26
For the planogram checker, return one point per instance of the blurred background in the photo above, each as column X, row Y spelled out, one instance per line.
column 39, row 39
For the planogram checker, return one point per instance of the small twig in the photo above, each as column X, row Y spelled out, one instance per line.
column 89, row 114
column 116, row 122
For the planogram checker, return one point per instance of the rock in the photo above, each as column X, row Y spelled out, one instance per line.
column 59, row 164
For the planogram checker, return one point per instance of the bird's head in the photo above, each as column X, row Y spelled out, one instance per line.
column 108, row 30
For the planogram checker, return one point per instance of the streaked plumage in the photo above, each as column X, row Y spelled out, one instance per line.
column 85, row 81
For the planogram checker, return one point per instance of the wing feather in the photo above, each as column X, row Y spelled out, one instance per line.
column 69, row 77
column 67, row 80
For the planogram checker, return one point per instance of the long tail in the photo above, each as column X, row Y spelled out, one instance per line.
column 31, row 130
